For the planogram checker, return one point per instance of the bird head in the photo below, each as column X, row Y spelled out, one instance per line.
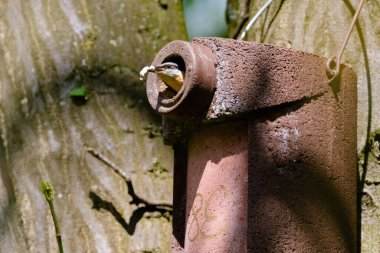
column 168, row 68
column 170, row 74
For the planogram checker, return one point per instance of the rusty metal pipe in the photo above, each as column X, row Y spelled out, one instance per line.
column 194, row 97
column 271, row 165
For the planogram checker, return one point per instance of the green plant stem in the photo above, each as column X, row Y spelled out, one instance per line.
column 56, row 226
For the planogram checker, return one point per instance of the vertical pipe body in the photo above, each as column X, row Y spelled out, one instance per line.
column 302, row 177
column 217, row 180
column 270, row 157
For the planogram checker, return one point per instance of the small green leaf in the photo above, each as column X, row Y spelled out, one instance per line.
column 47, row 190
column 78, row 92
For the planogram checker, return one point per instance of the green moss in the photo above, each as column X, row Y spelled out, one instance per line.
column 153, row 130
column 158, row 169
column 79, row 92
column 89, row 42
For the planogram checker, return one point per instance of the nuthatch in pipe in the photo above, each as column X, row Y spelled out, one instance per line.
column 168, row 72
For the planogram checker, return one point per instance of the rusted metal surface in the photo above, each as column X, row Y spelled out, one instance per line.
column 198, row 64
column 252, row 76
column 299, row 137
column 244, row 72
column 302, row 175
column 217, row 180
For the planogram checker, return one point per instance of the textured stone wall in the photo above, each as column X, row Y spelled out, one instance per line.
column 47, row 48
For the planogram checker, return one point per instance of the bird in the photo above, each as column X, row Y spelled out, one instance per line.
column 168, row 72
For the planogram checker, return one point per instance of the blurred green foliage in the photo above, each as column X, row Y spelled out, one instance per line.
column 205, row 18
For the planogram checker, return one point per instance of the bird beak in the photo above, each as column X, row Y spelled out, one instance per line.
column 157, row 68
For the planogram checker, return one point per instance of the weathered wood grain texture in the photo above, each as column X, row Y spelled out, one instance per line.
column 319, row 27
column 47, row 48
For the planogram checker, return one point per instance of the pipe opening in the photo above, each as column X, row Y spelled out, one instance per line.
column 195, row 65
column 175, row 58
column 167, row 92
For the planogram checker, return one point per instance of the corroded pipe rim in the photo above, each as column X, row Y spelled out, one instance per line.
column 197, row 62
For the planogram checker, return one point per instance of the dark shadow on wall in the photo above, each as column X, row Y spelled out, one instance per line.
column 137, row 215
column 264, row 34
column 143, row 205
